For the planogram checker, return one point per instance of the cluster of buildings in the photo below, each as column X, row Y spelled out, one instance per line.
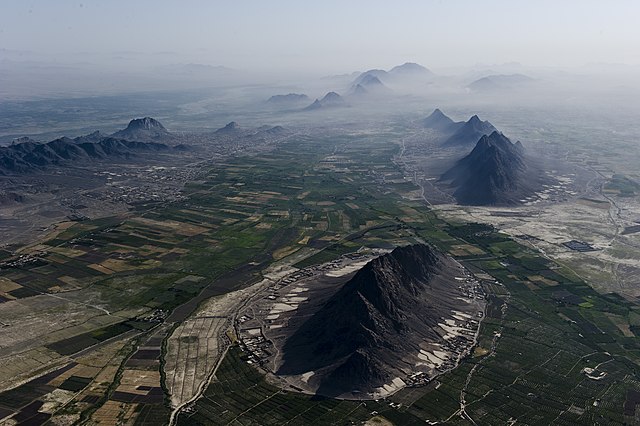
column 25, row 260
column 253, row 342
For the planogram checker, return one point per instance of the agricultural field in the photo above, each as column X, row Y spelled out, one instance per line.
column 240, row 395
column 539, row 342
column 128, row 277
column 541, row 358
column 126, row 319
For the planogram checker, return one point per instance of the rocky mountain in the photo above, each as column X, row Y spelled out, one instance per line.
column 274, row 131
column 22, row 139
column 330, row 100
column 437, row 120
column 369, row 85
column 381, row 75
column 91, row 137
column 229, row 129
column 29, row 157
column 288, row 100
column 408, row 72
column 366, row 333
column 371, row 82
column 143, row 129
column 496, row 172
column 410, row 69
column 500, row 82
column 469, row 133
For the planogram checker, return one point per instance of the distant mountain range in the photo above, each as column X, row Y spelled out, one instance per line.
column 330, row 100
column 408, row 71
column 379, row 74
column 361, row 337
column 234, row 131
column 458, row 133
column 143, row 129
column 499, row 82
column 27, row 156
column 273, row 130
column 496, row 172
column 369, row 85
column 370, row 81
column 469, row 132
column 379, row 82
column 228, row 129
column 288, row 100
column 437, row 120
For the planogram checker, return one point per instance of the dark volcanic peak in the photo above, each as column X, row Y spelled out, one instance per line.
column 288, row 99
column 470, row 132
column 358, row 339
column 30, row 157
column 496, row 172
column 142, row 129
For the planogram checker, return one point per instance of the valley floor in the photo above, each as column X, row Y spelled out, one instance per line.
column 132, row 318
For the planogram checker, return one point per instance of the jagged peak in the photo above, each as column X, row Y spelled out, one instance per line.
column 497, row 139
column 381, row 315
column 438, row 114
column 146, row 123
column 230, row 127
column 22, row 140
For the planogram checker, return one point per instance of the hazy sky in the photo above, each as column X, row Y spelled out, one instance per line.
column 326, row 35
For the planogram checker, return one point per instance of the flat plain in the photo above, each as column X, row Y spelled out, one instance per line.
column 131, row 318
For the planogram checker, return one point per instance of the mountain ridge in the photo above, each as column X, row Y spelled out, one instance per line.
column 362, row 334
column 29, row 157
column 469, row 132
column 330, row 100
column 495, row 172
column 142, row 129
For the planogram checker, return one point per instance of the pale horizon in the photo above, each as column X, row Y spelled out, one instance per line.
column 324, row 38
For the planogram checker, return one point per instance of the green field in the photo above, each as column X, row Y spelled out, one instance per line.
column 543, row 325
